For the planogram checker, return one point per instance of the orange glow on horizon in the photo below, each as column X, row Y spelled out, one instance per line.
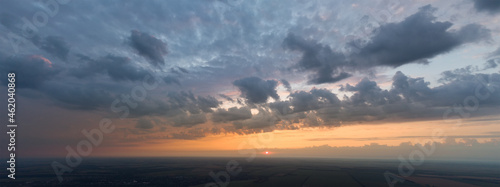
column 359, row 135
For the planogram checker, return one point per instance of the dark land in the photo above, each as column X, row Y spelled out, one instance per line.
column 258, row 172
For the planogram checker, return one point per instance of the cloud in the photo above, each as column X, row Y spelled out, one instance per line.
column 491, row 7
column 321, row 60
column 80, row 96
column 312, row 100
column 495, row 53
column 408, row 99
column 144, row 124
column 188, row 120
column 116, row 67
column 491, row 63
column 187, row 101
column 415, row 39
column 231, row 114
column 56, row 46
column 256, row 90
column 264, row 120
column 226, row 97
column 148, row 46
column 171, row 80
column 31, row 71
column 367, row 92
column 208, row 60
column 175, row 103
column 287, row 85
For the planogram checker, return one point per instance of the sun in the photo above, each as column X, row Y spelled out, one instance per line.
column 267, row 152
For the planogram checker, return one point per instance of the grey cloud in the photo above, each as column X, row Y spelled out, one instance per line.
column 321, row 60
column 176, row 103
column 207, row 103
column 408, row 99
column 189, row 120
column 458, row 87
column 148, row 46
column 312, row 100
column 416, row 39
column 144, row 124
column 171, row 80
column 183, row 70
column 495, row 53
column 489, row 6
column 226, row 97
column 116, row 67
column 56, row 46
column 367, row 92
column 187, row 101
column 490, row 64
column 31, row 71
column 231, row 114
column 282, row 107
column 287, row 85
column 263, row 120
column 80, row 96
column 256, row 90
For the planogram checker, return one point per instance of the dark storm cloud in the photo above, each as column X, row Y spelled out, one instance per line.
column 31, row 71
column 231, row 114
column 287, row 85
column 312, row 100
column 148, row 46
column 144, row 124
column 416, row 39
column 175, row 103
column 326, row 64
column 171, row 80
column 56, row 46
column 489, row 6
column 116, row 67
column 8, row 20
column 80, row 96
column 366, row 92
column 256, row 90
column 183, row 70
column 207, row 103
column 188, row 120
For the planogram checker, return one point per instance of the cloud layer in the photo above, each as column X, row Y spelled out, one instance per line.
column 248, row 67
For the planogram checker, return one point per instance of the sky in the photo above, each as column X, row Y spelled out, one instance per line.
column 367, row 79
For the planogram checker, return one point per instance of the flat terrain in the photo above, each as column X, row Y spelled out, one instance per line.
column 258, row 172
